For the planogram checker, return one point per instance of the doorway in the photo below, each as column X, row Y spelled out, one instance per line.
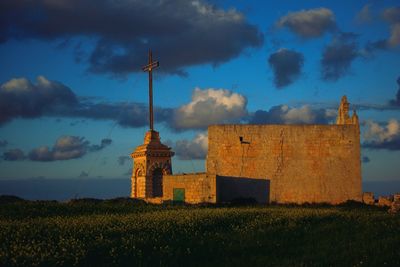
column 157, row 182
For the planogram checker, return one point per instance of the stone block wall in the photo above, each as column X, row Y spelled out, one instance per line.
column 304, row 163
column 138, row 186
column 385, row 201
column 199, row 187
column 368, row 198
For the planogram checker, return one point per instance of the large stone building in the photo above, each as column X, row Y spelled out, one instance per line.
column 269, row 163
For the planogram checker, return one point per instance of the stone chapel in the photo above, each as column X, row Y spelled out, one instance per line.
column 267, row 163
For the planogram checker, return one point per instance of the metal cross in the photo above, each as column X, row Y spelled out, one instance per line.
column 149, row 68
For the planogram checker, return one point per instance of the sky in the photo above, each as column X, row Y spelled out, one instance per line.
column 74, row 100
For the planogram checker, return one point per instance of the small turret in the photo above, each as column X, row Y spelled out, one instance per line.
column 343, row 113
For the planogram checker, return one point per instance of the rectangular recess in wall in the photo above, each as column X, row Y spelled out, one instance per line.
column 179, row 194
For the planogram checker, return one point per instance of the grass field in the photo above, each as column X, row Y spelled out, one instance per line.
column 128, row 233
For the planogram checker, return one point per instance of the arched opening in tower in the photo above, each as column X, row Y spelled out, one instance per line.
column 157, row 182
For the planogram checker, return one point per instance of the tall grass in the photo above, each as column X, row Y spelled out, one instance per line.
column 128, row 233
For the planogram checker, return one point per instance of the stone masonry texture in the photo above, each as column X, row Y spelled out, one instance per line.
column 199, row 187
column 303, row 163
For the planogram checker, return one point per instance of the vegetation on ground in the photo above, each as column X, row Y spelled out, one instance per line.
column 125, row 232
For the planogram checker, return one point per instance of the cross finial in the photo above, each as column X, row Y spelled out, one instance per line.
column 149, row 68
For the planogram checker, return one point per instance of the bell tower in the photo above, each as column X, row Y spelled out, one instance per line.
column 152, row 159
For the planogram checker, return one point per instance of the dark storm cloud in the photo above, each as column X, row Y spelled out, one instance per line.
column 176, row 30
column 309, row 23
column 286, row 65
column 192, row 149
column 285, row 115
column 338, row 56
column 14, row 155
column 65, row 148
column 123, row 159
column 396, row 101
column 19, row 98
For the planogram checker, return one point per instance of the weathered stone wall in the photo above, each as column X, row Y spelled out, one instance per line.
column 368, row 198
column 199, row 187
column 304, row 163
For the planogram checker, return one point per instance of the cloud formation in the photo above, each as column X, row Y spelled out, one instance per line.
column 125, row 114
column 125, row 29
column 192, row 149
column 396, row 101
column 286, row 65
column 338, row 56
column 210, row 106
column 14, row 155
column 283, row 114
column 104, row 143
column 65, row 148
column 390, row 15
column 382, row 137
column 19, row 98
column 309, row 23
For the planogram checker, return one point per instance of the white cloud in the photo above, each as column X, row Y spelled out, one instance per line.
column 210, row 106
column 386, row 133
column 17, row 85
column 382, row 137
column 193, row 149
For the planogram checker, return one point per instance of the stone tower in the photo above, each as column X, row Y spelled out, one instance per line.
column 151, row 161
column 343, row 113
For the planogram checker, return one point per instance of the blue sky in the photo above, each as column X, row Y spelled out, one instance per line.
column 221, row 61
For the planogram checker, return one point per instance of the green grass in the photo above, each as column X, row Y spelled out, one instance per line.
column 131, row 233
